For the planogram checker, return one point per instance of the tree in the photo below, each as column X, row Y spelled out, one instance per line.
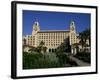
column 33, row 49
column 41, row 47
column 65, row 46
column 84, row 36
column 44, row 49
column 81, row 37
column 87, row 34
column 42, row 43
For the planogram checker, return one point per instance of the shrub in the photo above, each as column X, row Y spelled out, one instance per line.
column 85, row 56
column 31, row 61
column 64, row 59
column 46, row 60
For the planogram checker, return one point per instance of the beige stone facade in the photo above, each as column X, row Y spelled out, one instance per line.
column 51, row 38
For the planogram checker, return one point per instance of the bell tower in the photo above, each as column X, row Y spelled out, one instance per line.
column 72, row 26
column 36, row 27
column 72, row 33
column 72, row 37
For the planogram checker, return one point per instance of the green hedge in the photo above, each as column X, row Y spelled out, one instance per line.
column 47, row 60
column 31, row 61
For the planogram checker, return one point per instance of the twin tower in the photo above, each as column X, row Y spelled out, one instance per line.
column 51, row 38
column 71, row 31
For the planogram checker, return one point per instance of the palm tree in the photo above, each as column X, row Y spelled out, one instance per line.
column 41, row 47
column 82, row 39
column 44, row 49
column 42, row 43
column 32, row 49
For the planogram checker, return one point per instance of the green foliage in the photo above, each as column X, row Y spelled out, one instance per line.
column 41, row 48
column 31, row 61
column 85, row 35
column 41, row 43
column 45, row 60
column 85, row 56
column 64, row 59
column 44, row 49
column 64, row 47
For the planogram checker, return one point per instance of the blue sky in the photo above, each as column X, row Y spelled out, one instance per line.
column 54, row 20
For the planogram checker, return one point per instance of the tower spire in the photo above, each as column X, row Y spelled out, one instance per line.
column 36, row 26
column 72, row 25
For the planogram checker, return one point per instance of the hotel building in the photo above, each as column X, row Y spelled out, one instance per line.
column 51, row 38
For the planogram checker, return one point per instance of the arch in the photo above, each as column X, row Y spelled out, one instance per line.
column 53, row 50
column 49, row 50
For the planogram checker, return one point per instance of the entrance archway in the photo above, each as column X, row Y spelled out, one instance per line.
column 49, row 50
column 53, row 50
